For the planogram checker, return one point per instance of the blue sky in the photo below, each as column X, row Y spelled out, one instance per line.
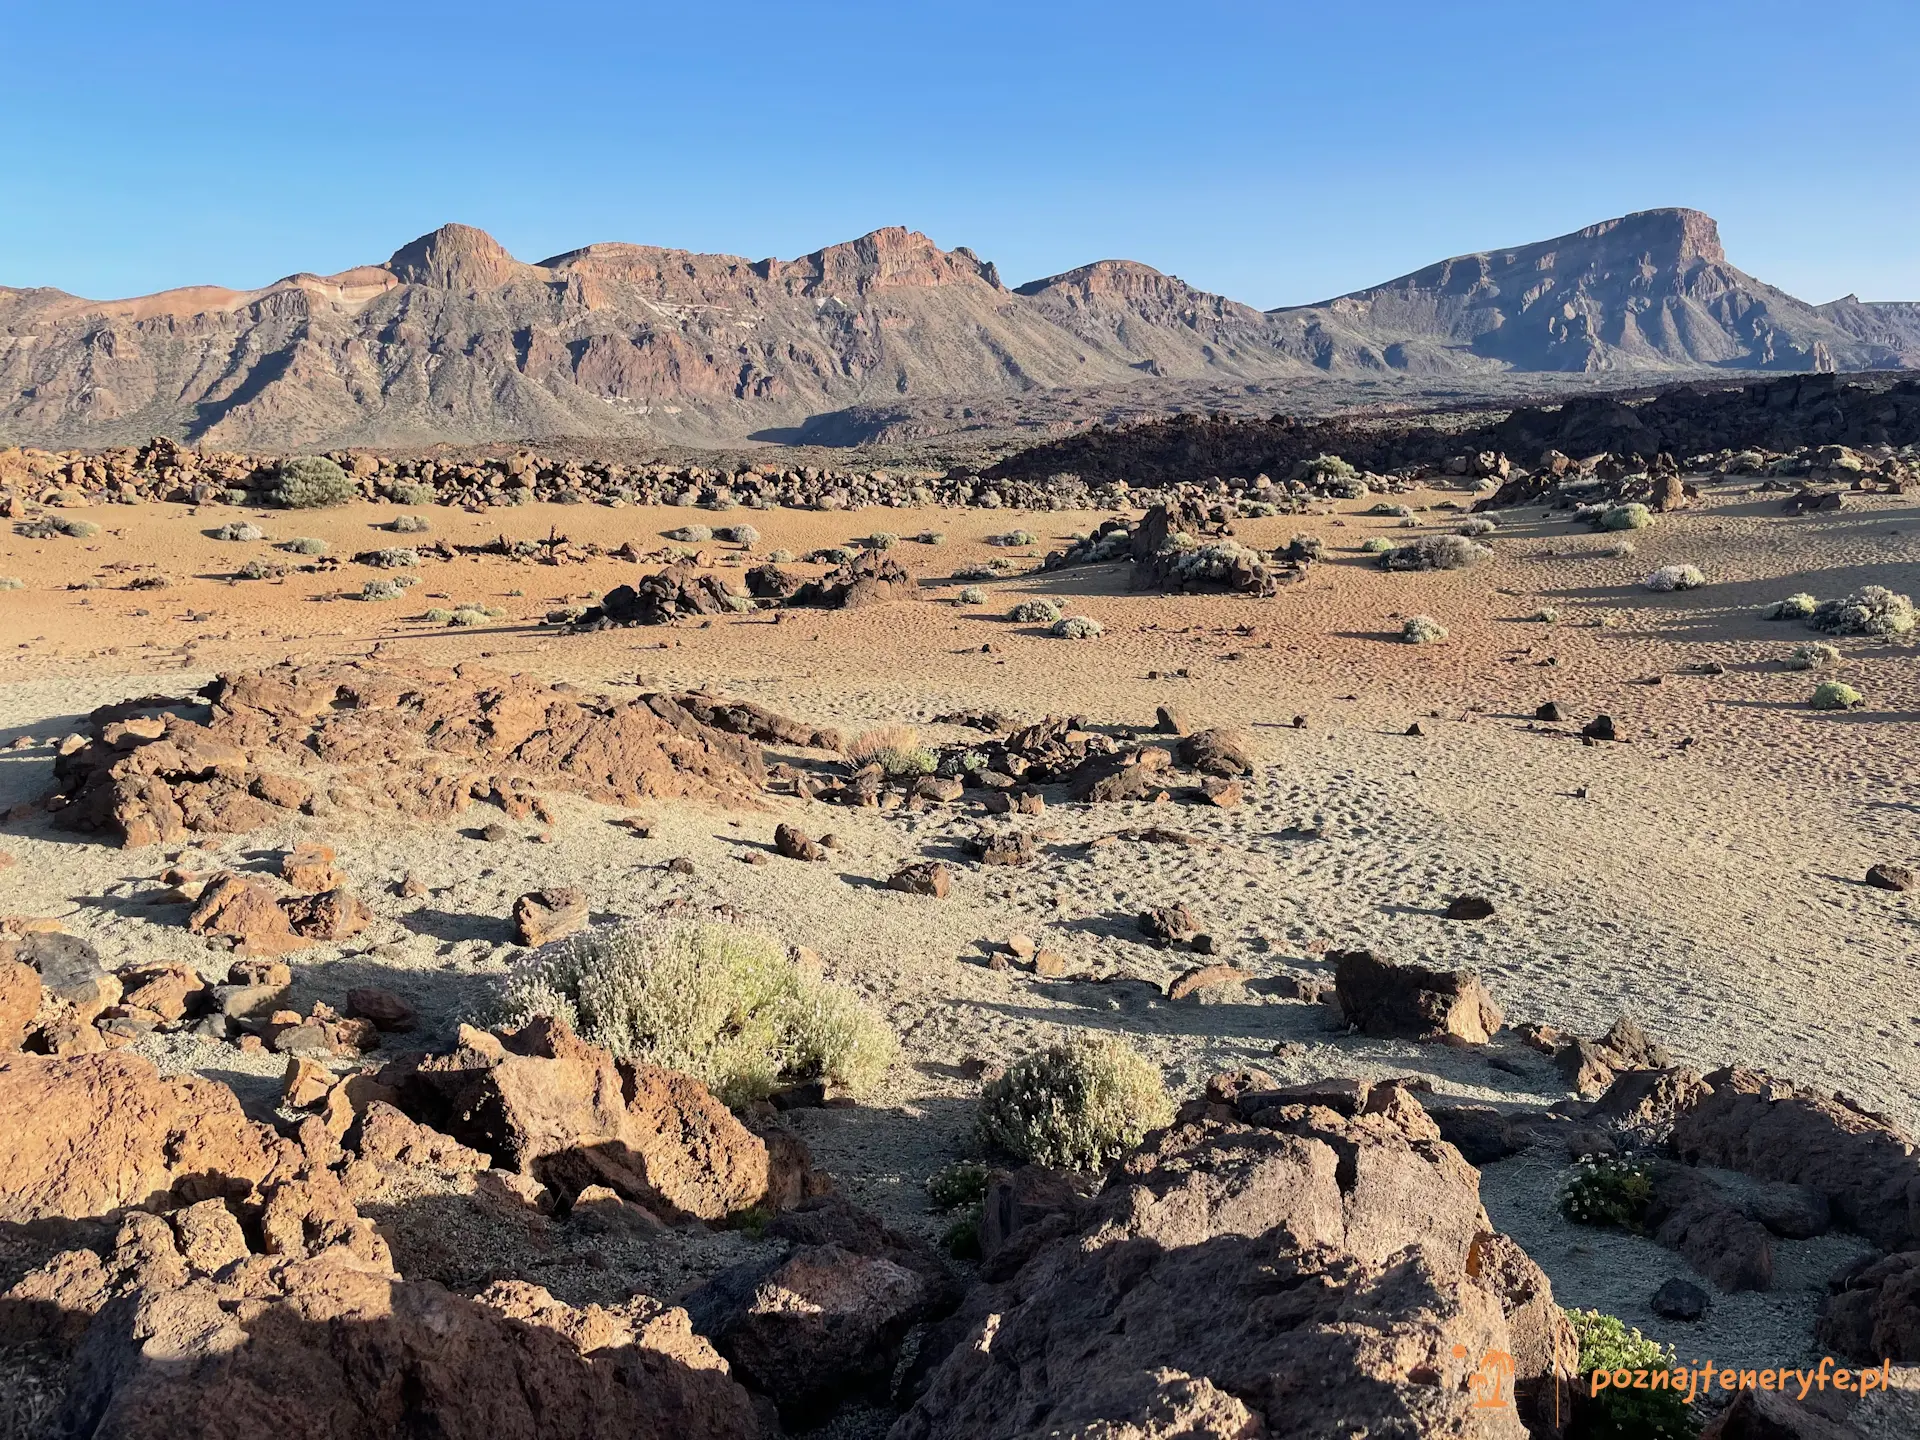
column 1278, row 152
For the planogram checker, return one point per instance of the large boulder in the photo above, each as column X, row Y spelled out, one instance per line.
column 1298, row 1272
column 826, row 1319
column 93, row 1135
column 184, row 1332
column 545, row 1103
column 1874, row 1312
column 1769, row 1129
column 1413, row 1002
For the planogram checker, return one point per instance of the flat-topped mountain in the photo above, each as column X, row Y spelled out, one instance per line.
column 453, row 338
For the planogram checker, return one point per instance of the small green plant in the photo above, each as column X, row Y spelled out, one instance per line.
column 1076, row 627
column 745, row 536
column 311, row 482
column 971, row 595
column 1435, row 552
column 721, row 1002
column 410, row 492
column 931, row 537
column 75, row 528
column 1817, row 656
column 1608, row 1192
column 1870, row 610
column 304, row 545
column 1076, row 1105
column 1013, row 539
column 466, row 616
column 691, row 534
column 1035, row 612
column 1798, row 606
column 239, row 530
column 1604, row 1412
column 408, row 525
column 881, row 540
column 962, row 1238
column 1834, row 695
column 1387, row 507
column 440, row 615
column 12, row 582
column 1545, row 615
column 1475, row 526
column 834, row 555
column 260, row 569
column 780, row 557
column 1621, row 549
column 1632, row 516
column 1423, row 630
column 896, row 749
column 382, row 590
column 1377, row 545
column 962, row 1183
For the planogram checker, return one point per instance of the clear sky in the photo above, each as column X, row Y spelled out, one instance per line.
column 1278, row 153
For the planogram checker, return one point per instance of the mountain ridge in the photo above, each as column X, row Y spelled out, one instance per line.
column 454, row 338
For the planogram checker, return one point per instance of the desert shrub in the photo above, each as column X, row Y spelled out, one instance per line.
column 1817, row 656
column 835, row 555
column 1799, row 606
column 382, row 590
column 962, row 1183
column 1076, row 627
column 1014, row 538
column 410, row 492
column 1035, row 612
column 1621, row 549
column 720, row 1002
column 931, row 537
column 259, row 569
column 1423, row 630
column 1076, row 1105
column 1545, row 615
column 962, row 1238
column 1612, row 1193
column 1476, row 525
column 881, row 540
column 440, row 615
column 1305, row 547
column 971, row 595
column 1834, row 695
column 1214, row 561
column 780, row 557
column 408, row 525
column 1871, row 610
column 12, row 582
column 1435, row 552
column 976, row 572
column 398, row 557
column 1607, row 1345
column 468, row 615
column 1398, row 512
column 311, row 482
column 76, row 528
column 1378, row 545
column 304, row 545
column 690, row 534
column 1114, row 545
column 896, row 749
column 1676, row 577
column 745, row 535
column 236, row 496
column 1258, row 509
column 239, row 530
column 1631, row 516
column 1333, row 475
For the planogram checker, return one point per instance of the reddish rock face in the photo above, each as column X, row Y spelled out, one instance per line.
column 1413, row 1002
column 94, row 1134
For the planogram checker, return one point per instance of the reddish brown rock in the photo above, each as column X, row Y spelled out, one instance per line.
column 795, row 844
column 926, row 877
column 311, row 869
column 245, row 911
column 1874, row 1312
column 1692, row 1215
column 305, row 1083
column 94, row 1134
column 333, row 915
column 387, row 1011
column 386, row 1134
column 1412, row 1001
column 1205, row 984
column 167, row 990
column 542, row 916
column 19, row 1002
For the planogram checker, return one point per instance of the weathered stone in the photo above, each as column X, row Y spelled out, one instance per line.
column 1412, row 1001
column 543, row 916
column 924, row 877
column 332, row 915
column 245, row 911
column 389, row 1013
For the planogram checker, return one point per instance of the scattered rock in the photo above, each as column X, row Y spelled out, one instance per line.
column 1873, row 1314
column 1413, row 1002
column 1678, row 1299
column 795, row 844
column 1214, row 984
column 1692, row 1215
column 389, row 1013
column 310, row 868
column 1168, row 924
column 543, row 916
column 1601, row 727
column 245, row 911
column 925, row 877
column 332, row 915
column 1898, row 878
column 1224, row 752
column 1469, row 907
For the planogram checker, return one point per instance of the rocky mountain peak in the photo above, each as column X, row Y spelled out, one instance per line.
column 454, row 257
column 892, row 257
column 1673, row 235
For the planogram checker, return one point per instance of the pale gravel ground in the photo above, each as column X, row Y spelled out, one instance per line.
column 1706, row 884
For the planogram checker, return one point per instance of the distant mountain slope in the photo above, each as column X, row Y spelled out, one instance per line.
column 1651, row 290
column 455, row 339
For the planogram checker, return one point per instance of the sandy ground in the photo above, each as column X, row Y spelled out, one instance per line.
column 1703, row 877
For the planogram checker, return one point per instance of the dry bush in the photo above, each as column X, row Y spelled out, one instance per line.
column 1077, row 1105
